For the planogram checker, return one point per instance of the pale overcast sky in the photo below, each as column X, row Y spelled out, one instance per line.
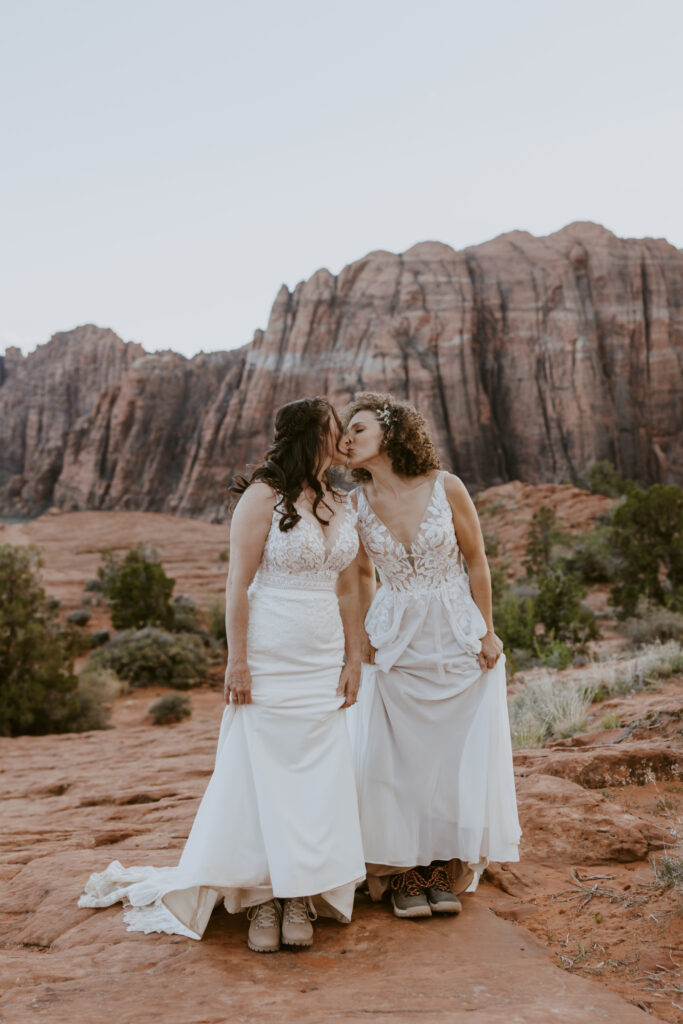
column 168, row 164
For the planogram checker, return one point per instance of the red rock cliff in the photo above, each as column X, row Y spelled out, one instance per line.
column 530, row 357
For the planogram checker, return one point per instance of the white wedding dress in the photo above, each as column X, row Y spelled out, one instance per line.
column 279, row 816
column 430, row 731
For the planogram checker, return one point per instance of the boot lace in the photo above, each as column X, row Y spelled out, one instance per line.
column 265, row 913
column 439, row 879
column 410, row 883
column 299, row 911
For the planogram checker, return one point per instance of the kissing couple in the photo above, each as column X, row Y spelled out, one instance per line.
column 320, row 784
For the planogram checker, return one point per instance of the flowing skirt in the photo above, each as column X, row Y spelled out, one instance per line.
column 431, row 738
column 279, row 816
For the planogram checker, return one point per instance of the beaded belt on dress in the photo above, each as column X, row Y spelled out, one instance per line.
column 295, row 580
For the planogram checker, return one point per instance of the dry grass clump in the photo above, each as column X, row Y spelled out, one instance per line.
column 551, row 708
column 621, row 677
column 654, row 623
column 97, row 690
column 668, row 871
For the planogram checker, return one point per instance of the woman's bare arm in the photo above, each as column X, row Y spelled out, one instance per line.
column 248, row 532
column 471, row 543
column 349, row 608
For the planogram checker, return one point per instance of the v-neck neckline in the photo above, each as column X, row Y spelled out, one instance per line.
column 315, row 525
column 408, row 549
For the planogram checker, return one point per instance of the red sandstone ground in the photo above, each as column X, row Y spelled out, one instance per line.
column 523, row 950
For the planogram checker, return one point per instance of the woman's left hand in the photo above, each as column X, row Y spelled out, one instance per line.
column 349, row 684
column 491, row 650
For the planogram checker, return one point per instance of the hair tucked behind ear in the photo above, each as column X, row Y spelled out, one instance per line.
column 295, row 456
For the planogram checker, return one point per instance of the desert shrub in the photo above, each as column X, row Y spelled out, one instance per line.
column 592, row 559
column 185, row 614
column 138, row 589
column 514, row 619
column 38, row 687
column 551, row 708
column 647, row 537
column 99, row 637
column 602, row 478
column 93, row 584
column 150, row 655
column 98, row 688
column 80, row 617
column 558, row 607
column 174, row 707
column 543, row 538
column 215, row 620
column 554, row 654
column 612, row 720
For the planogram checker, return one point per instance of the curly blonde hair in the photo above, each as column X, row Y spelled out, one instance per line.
column 405, row 437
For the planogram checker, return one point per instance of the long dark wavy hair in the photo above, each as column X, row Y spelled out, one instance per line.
column 295, row 456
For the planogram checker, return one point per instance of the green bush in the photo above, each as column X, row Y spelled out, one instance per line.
column 138, row 589
column 38, row 687
column 558, row 606
column 555, row 654
column 153, row 656
column 592, row 559
column 81, row 617
column 174, row 707
column 647, row 537
column 215, row 618
column 543, row 537
column 602, row 478
column 515, row 619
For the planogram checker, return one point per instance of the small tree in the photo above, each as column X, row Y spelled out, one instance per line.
column 543, row 537
column 558, row 606
column 38, row 688
column 647, row 536
column 602, row 478
column 138, row 588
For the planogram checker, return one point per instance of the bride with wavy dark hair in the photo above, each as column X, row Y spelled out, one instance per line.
column 277, row 832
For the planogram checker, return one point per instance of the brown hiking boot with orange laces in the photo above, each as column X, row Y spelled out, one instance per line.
column 408, row 895
column 440, row 897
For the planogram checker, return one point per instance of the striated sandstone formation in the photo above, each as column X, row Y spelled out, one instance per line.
column 530, row 357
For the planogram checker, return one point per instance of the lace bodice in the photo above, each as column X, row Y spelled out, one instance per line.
column 304, row 556
column 434, row 556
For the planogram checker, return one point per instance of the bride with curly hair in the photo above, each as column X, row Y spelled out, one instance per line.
column 431, row 731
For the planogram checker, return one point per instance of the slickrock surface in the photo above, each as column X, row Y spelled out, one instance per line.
column 530, row 357
column 72, row 803
column 70, row 544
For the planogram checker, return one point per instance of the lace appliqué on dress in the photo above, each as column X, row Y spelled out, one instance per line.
column 433, row 559
column 299, row 557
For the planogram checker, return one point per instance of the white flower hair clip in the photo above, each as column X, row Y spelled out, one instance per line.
column 384, row 415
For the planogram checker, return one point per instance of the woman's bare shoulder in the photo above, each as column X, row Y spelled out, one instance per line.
column 259, row 497
column 455, row 488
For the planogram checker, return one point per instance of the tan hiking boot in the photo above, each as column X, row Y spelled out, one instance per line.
column 408, row 895
column 297, row 916
column 264, row 930
column 442, row 899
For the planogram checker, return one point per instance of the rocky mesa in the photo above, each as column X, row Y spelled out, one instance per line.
column 530, row 357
